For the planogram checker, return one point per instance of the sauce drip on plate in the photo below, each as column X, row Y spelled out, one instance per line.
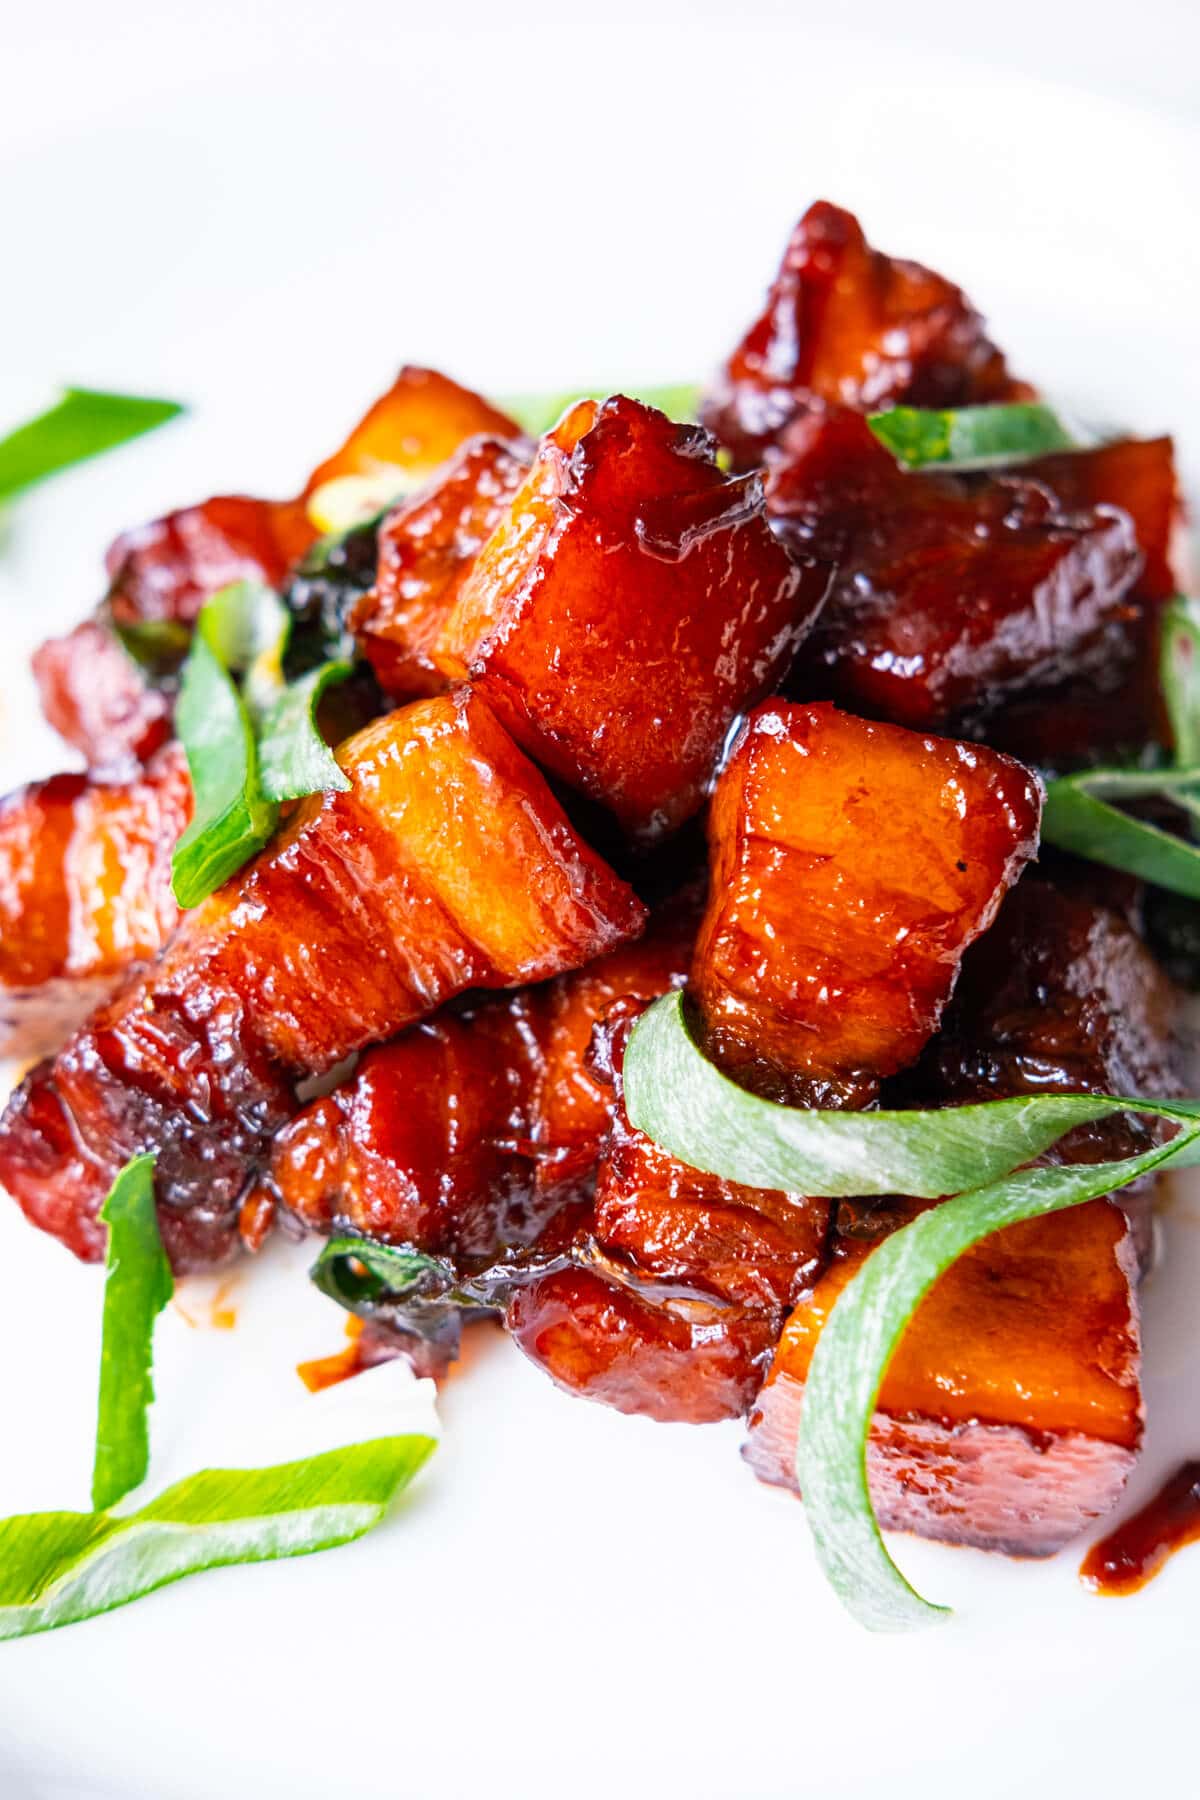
column 1128, row 1557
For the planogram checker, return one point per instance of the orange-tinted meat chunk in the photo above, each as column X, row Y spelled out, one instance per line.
column 447, row 865
column 852, row 865
column 1135, row 474
column 846, row 323
column 1011, row 1414
column 427, row 548
column 466, row 1133
column 631, row 604
column 952, row 594
column 420, row 422
column 682, row 1280
column 98, row 699
column 693, row 1362
column 167, row 569
column 1060, row 996
column 85, row 890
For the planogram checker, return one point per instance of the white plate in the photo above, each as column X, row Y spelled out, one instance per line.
column 569, row 1602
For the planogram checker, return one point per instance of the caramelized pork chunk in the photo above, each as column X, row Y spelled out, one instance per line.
column 953, row 594
column 694, row 1363
column 1011, row 1414
column 412, row 429
column 98, row 699
column 852, row 865
column 447, row 865
column 162, row 573
column 1138, row 476
column 1061, row 996
column 85, row 890
column 427, row 548
column 846, row 323
column 465, row 1134
column 630, row 605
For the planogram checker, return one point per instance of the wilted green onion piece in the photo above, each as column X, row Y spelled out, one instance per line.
column 293, row 757
column 974, row 437
column 856, row 1345
column 359, row 1273
column 675, row 1095
column 1179, row 674
column 57, row 1568
column 84, row 423
column 137, row 1286
column 247, row 750
column 1080, row 815
column 536, row 413
column 679, row 1098
column 232, row 816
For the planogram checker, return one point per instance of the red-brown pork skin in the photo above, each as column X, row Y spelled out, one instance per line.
column 85, row 890
column 844, row 323
column 369, row 910
column 630, row 605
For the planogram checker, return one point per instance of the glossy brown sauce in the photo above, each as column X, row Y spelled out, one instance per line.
column 1130, row 1556
column 327, row 1371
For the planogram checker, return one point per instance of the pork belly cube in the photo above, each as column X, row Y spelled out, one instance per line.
column 1061, row 996
column 415, row 427
column 952, row 594
column 85, row 890
column 846, row 323
column 1011, row 1414
column 427, row 549
column 166, row 570
column 694, row 1363
column 427, row 1143
column 1138, row 476
column 99, row 700
column 632, row 603
column 852, row 865
column 679, row 1281
column 464, row 1135
column 447, row 865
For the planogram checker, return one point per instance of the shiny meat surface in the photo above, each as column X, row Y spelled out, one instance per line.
column 85, row 890
column 845, row 323
column 1011, row 1414
column 852, row 865
column 953, row 594
column 271, row 978
column 427, row 549
column 632, row 603
column 98, row 699
column 414, row 427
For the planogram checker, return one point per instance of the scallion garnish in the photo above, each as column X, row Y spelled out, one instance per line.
column 1079, row 813
column 675, row 1095
column 974, row 437
column 84, row 423
column 247, row 750
column 58, row 1568
column 137, row 1286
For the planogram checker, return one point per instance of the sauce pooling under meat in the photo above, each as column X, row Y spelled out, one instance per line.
column 1129, row 1557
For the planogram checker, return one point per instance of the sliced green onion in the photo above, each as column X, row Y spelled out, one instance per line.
column 57, row 1568
column 537, row 413
column 84, row 423
column 137, row 1286
column 156, row 645
column 1078, row 816
column 246, row 750
column 293, row 757
column 680, row 1099
column 1179, row 674
column 232, row 816
column 675, row 1095
column 856, row 1345
column 974, row 437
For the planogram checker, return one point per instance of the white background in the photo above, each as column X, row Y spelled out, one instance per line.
column 264, row 210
